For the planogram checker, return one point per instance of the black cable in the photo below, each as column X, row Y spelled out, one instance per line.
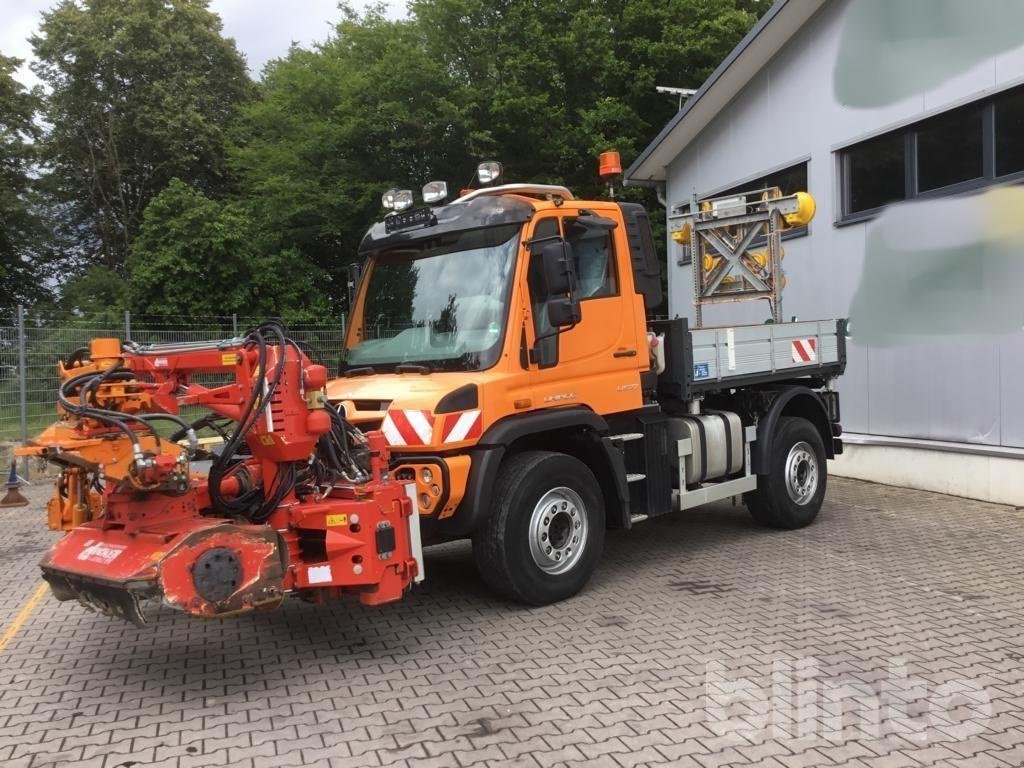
column 207, row 420
column 90, row 383
column 103, row 416
column 167, row 417
column 223, row 463
column 77, row 356
column 255, row 407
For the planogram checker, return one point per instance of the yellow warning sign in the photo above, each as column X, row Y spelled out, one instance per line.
column 267, row 439
column 228, row 358
column 333, row 520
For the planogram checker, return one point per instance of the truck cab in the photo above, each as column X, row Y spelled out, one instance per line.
column 505, row 345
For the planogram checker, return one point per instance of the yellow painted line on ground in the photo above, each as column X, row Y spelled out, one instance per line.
column 23, row 614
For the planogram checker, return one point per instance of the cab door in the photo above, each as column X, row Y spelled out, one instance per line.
column 595, row 363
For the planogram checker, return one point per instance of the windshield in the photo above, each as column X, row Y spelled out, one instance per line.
column 439, row 303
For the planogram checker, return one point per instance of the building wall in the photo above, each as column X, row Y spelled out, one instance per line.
column 966, row 390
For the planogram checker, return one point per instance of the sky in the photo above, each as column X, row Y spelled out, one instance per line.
column 263, row 29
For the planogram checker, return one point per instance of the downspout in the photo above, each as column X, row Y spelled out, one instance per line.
column 657, row 186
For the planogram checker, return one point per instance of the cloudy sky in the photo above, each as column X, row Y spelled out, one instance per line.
column 263, row 29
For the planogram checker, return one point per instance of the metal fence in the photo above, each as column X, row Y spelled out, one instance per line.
column 33, row 342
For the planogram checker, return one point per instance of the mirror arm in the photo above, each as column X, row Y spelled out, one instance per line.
column 535, row 240
column 554, row 332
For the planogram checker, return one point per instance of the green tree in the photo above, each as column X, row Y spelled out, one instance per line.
column 141, row 91
column 198, row 256
column 24, row 252
column 542, row 85
column 337, row 125
column 552, row 83
column 97, row 292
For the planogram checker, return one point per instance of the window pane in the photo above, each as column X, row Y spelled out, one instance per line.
column 1010, row 133
column 789, row 180
column 595, row 267
column 876, row 173
column 548, row 346
column 949, row 150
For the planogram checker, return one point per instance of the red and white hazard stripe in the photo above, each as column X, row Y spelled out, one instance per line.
column 408, row 427
column 461, row 426
column 805, row 350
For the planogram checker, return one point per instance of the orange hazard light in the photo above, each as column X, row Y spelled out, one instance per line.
column 609, row 164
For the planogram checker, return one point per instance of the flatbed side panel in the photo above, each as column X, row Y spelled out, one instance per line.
column 803, row 348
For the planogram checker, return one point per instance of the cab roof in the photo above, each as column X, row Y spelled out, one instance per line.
column 457, row 216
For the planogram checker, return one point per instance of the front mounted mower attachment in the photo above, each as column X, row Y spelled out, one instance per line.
column 205, row 568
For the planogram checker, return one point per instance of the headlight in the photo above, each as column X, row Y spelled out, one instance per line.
column 435, row 191
column 488, row 171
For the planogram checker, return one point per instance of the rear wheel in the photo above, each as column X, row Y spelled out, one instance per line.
column 791, row 493
column 544, row 536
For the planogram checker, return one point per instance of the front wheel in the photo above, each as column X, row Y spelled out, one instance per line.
column 544, row 536
column 792, row 492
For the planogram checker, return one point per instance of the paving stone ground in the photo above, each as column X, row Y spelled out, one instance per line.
column 887, row 634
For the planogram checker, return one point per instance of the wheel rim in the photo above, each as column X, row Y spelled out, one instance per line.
column 558, row 530
column 801, row 473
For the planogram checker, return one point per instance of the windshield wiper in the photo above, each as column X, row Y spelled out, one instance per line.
column 412, row 368
column 364, row 371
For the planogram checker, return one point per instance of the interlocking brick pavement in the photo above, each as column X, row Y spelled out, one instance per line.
column 887, row 634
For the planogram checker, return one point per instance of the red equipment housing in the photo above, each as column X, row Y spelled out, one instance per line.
column 310, row 508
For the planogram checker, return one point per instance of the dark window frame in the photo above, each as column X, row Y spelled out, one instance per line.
column 989, row 178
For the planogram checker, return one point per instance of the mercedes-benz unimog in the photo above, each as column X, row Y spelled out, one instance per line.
column 507, row 346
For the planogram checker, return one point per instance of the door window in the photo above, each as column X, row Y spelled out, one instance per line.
column 595, row 265
column 547, row 348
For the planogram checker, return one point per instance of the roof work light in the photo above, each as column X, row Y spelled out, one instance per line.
column 435, row 192
column 488, row 171
column 397, row 199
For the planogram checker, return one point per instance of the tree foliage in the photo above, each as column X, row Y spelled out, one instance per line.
column 336, row 126
column 167, row 168
column 23, row 248
column 140, row 92
column 552, row 83
column 194, row 255
column 542, row 85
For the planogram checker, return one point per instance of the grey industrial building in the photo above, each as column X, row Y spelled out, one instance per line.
column 943, row 413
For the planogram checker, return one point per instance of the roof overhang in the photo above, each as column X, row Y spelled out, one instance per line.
column 772, row 31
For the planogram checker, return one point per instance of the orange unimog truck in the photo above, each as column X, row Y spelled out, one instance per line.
column 506, row 344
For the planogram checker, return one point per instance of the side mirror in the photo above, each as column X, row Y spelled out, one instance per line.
column 563, row 311
column 558, row 267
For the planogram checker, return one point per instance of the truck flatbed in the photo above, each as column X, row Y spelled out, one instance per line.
column 712, row 359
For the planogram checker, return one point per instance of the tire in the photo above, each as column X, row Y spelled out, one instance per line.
column 541, row 498
column 790, row 495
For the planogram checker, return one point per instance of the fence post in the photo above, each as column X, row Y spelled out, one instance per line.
column 127, row 325
column 22, row 386
column 234, row 323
